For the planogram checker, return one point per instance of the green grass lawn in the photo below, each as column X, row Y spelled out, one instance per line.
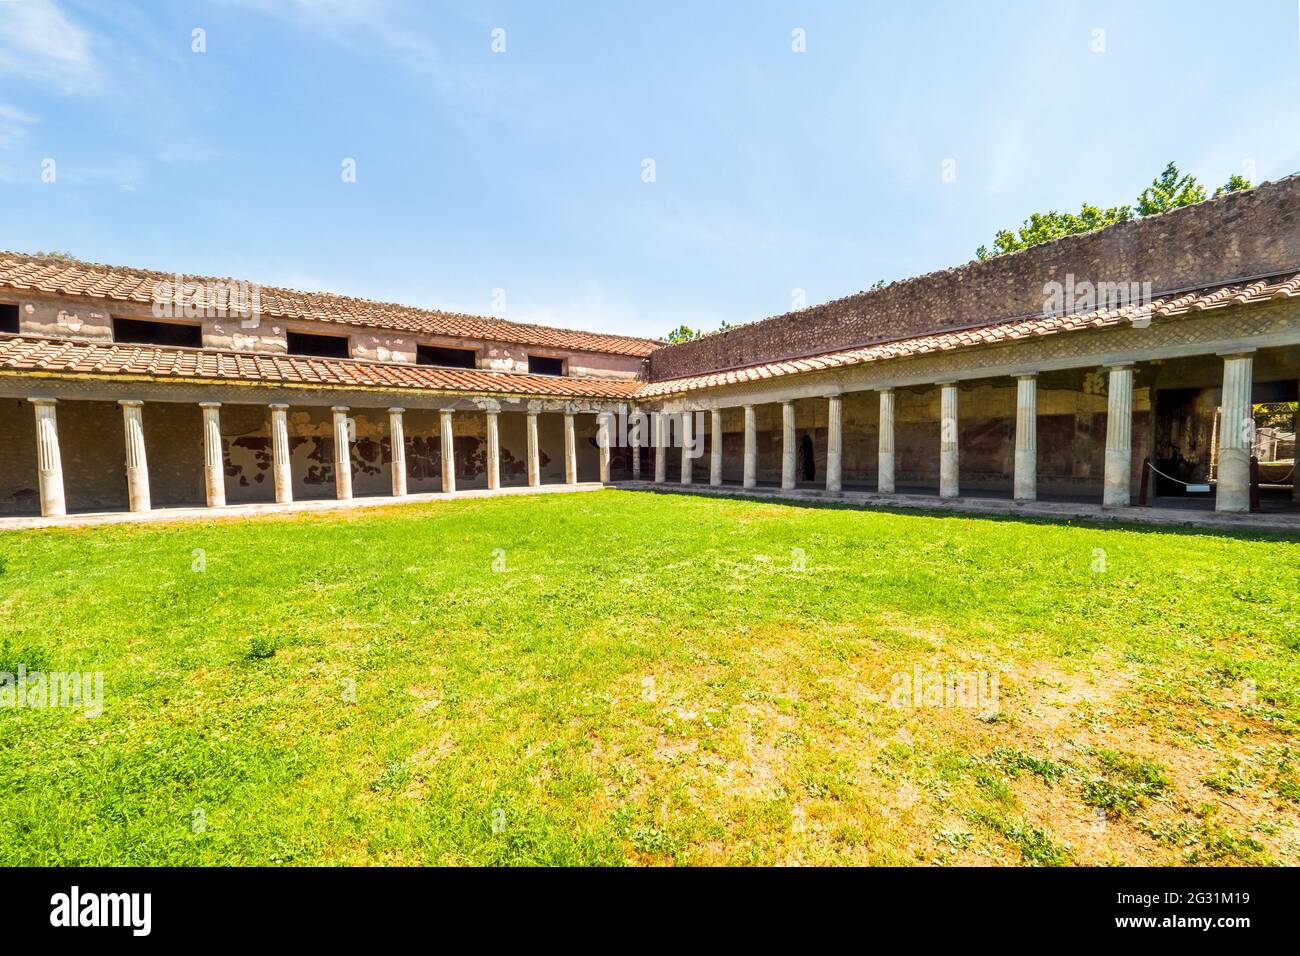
column 618, row 677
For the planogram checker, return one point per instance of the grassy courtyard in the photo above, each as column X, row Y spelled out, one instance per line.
column 616, row 677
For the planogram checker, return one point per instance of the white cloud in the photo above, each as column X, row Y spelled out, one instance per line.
column 13, row 125
column 40, row 43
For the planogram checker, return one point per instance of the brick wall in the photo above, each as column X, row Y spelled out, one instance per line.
column 1250, row 233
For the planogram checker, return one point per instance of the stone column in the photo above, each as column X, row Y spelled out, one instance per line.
column 638, row 439
column 688, row 439
column 885, row 456
column 137, row 468
column 1236, row 434
column 787, row 446
column 493, row 452
column 661, row 461
column 949, row 484
column 751, row 448
column 342, row 454
column 570, row 451
column 281, row 468
column 715, row 448
column 1025, row 485
column 214, row 460
column 49, row 463
column 397, row 450
column 834, row 443
column 534, row 453
column 603, row 439
column 448, row 445
column 1119, row 438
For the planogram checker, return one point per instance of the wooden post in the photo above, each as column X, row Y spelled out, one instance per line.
column 1254, row 483
column 1146, row 477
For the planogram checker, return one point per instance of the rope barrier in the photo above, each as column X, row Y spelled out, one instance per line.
column 1171, row 477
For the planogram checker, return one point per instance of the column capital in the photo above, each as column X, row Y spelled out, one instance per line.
column 130, row 402
column 395, row 410
column 340, row 408
column 278, row 406
column 946, row 382
column 1121, row 366
column 43, row 401
column 209, row 404
column 1237, row 353
column 886, row 389
column 490, row 412
column 1025, row 376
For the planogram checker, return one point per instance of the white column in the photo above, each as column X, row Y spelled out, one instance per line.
column 342, row 454
column 534, row 454
column 1025, row 484
column 49, row 463
column 397, row 450
column 214, row 460
column 1237, row 434
column 834, row 443
column 137, row 468
column 885, row 456
column 949, row 486
column 570, row 451
column 636, row 441
column 661, row 461
column 688, row 439
column 448, row 444
column 787, row 446
column 1119, row 438
column 715, row 448
column 281, row 467
column 603, row 438
column 493, row 452
column 751, row 448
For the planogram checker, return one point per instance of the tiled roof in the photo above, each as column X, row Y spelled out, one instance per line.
column 1215, row 297
column 26, row 354
column 74, row 278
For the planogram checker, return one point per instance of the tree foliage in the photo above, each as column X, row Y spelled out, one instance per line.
column 1172, row 189
column 684, row 333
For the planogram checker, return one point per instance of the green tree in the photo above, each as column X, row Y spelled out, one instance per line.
column 1043, row 227
column 684, row 333
column 1235, row 184
column 1170, row 190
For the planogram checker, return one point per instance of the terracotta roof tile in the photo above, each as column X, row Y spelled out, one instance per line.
column 24, row 353
column 75, row 278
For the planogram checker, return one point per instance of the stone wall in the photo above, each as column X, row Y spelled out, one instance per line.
column 1244, row 234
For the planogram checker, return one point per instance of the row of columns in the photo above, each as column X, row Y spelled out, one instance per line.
column 50, row 462
column 1233, row 493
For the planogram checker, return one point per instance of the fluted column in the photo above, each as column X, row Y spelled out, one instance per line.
column 834, row 443
column 688, row 439
column 661, row 461
column 493, row 452
column 281, row 469
column 949, row 483
column 534, row 453
column 397, row 450
column 342, row 454
column 885, row 455
column 448, row 445
column 570, row 451
column 603, row 439
column 137, row 467
column 787, row 446
column 751, row 448
column 1236, row 434
column 1025, row 484
column 715, row 447
column 214, row 463
column 1119, row 438
column 49, row 463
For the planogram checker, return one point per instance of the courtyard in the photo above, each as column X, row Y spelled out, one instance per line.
column 626, row 677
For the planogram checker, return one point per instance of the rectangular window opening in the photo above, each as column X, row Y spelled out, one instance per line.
column 8, row 317
column 446, row 357
column 144, row 332
column 543, row 365
column 323, row 346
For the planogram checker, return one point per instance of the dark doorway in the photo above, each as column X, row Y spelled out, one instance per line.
column 807, row 459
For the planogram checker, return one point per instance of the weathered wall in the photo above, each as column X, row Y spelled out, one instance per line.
column 1243, row 234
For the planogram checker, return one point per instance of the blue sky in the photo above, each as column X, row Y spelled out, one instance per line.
column 523, row 170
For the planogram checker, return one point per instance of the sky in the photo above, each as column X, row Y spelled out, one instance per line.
column 614, row 166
